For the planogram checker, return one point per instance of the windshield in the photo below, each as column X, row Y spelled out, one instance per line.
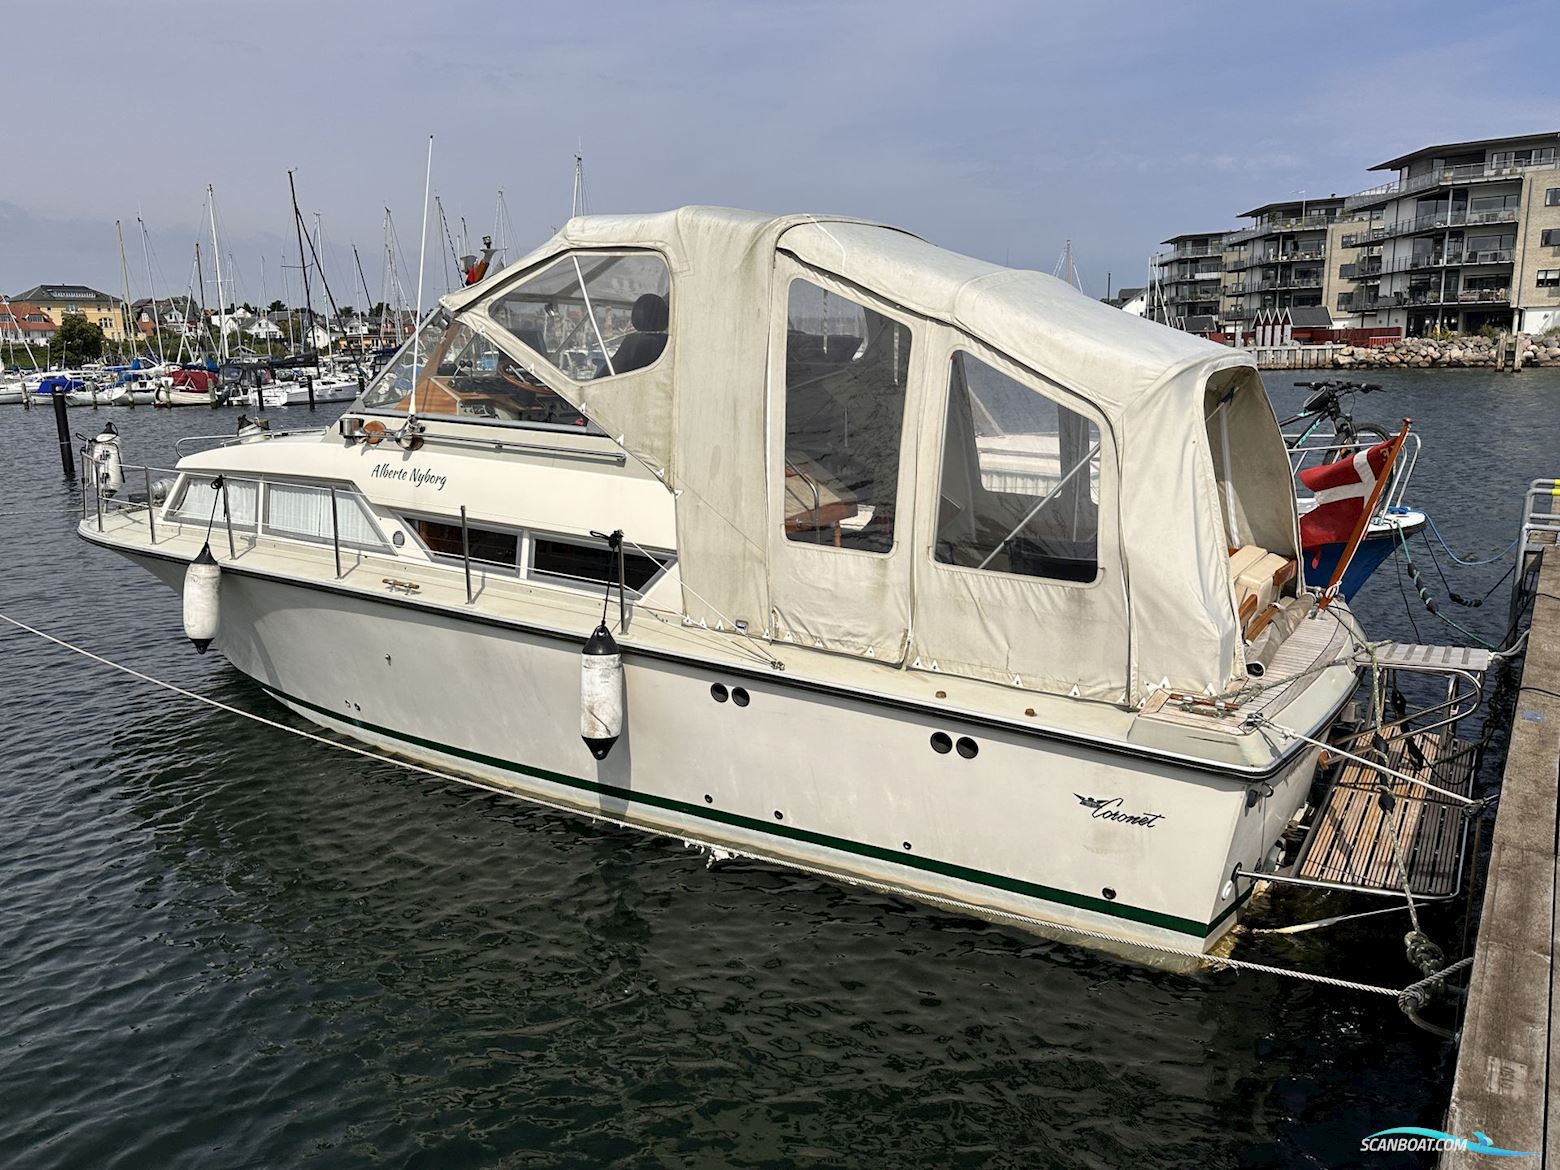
column 592, row 315
column 464, row 375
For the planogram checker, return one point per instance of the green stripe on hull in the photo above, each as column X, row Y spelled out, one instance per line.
column 1077, row 901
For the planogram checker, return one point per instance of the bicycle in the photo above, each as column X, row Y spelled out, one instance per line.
column 1326, row 405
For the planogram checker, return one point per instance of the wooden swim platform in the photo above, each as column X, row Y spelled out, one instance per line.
column 1352, row 840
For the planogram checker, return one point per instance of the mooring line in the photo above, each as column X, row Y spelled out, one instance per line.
column 714, row 850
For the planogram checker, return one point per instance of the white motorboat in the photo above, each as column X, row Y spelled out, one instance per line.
column 916, row 570
column 327, row 388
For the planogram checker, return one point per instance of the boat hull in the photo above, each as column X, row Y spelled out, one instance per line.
column 1379, row 543
column 1058, row 833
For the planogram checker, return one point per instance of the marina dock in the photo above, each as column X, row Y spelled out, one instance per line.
column 1508, row 1077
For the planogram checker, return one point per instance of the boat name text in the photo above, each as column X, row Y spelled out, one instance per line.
column 416, row 475
column 1108, row 808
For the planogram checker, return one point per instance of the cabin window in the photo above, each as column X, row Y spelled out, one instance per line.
column 592, row 315
column 490, row 546
column 579, row 563
column 845, row 371
column 461, row 374
column 1019, row 491
column 201, row 503
column 303, row 511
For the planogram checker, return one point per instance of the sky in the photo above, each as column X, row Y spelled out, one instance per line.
column 997, row 129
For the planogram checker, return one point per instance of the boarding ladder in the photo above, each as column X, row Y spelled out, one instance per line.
column 1351, row 837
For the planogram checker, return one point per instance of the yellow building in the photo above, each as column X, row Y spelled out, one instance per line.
column 62, row 300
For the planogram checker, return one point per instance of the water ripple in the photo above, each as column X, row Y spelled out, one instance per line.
column 224, row 946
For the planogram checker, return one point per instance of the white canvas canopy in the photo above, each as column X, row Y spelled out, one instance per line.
column 1189, row 464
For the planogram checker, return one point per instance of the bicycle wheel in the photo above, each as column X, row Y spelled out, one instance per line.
column 1359, row 436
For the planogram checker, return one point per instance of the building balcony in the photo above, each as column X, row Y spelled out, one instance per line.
column 1193, row 251
column 1271, row 285
column 1235, row 290
column 1442, row 177
column 1431, row 263
column 1434, row 298
column 1274, row 227
column 1437, row 221
column 1295, row 257
column 1192, row 277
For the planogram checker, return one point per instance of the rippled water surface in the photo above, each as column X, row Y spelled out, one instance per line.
column 221, row 945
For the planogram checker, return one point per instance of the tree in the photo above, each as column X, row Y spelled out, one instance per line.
column 78, row 340
column 276, row 307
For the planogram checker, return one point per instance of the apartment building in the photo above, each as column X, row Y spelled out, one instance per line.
column 1286, row 258
column 1466, row 235
column 1188, row 280
column 62, row 300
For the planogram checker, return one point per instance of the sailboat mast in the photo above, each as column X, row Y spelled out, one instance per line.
column 384, row 286
column 303, row 263
column 368, row 301
column 264, row 308
column 216, row 252
column 422, row 260
column 200, row 275
column 579, row 185
column 124, row 280
column 151, row 291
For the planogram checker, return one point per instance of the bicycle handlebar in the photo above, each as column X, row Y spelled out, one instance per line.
column 1340, row 387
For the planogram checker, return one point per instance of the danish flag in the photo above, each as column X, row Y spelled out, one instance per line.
column 1342, row 490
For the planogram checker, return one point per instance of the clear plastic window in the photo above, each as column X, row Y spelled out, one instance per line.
column 463, row 374
column 1020, row 479
column 845, row 369
column 591, row 314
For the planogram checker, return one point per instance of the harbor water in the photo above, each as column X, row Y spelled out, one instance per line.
column 223, row 945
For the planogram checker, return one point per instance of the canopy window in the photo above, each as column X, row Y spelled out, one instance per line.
column 459, row 373
column 846, row 366
column 1244, row 443
column 847, row 382
column 1017, row 574
column 591, row 314
column 1020, row 483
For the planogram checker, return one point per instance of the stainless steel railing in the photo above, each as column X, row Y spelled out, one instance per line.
column 1319, row 450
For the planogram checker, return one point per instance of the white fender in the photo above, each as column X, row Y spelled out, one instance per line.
column 601, row 692
column 202, row 599
column 107, row 460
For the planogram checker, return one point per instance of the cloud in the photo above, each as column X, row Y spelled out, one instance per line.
column 995, row 128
